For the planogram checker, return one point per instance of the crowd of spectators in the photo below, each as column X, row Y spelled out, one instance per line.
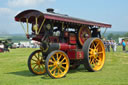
column 110, row 44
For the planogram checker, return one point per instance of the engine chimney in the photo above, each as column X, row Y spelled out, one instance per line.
column 50, row 10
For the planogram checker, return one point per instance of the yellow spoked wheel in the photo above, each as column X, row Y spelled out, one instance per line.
column 94, row 54
column 57, row 64
column 83, row 34
column 36, row 63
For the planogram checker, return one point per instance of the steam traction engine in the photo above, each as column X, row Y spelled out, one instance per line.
column 65, row 42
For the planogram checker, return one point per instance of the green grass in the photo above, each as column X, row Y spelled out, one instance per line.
column 14, row 71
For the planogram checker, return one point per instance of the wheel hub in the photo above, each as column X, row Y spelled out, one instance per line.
column 38, row 62
column 57, row 64
column 94, row 52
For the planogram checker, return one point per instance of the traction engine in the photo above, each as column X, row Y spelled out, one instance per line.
column 65, row 42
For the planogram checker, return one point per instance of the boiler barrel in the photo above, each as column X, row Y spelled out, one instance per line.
column 61, row 46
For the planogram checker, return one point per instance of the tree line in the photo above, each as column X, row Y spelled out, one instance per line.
column 115, row 36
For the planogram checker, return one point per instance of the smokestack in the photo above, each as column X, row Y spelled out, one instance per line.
column 50, row 10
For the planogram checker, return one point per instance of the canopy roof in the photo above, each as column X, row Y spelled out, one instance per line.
column 31, row 14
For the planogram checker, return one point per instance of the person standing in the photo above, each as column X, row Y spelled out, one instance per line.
column 105, row 44
column 96, row 32
column 115, row 46
column 6, row 46
column 123, row 44
column 108, row 45
column 112, row 45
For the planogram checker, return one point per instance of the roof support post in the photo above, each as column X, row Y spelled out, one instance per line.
column 36, row 25
column 27, row 26
column 62, row 26
column 41, row 25
column 23, row 27
column 104, row 31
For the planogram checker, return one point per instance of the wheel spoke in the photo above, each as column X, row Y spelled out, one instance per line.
column 33, row 63
column 62, row 60
column 100, row 52
column 34, row 60
column 59, row 57
column 43, row 66
column 50, row 65
column 90, row 56
column 99, row 62
column 54, row 72
column 51, row 61
column 63, row 67
column 53, row 58
column 64, row 63
column 53, row 69
column 35, row 66
column 36, row 57
column 60, row 70
column 93, row 45
column 92, row 61
column 39, row 68
column 39, row 56
column 97, row 44
column 42, row 59
column 90, row 49
column 94, row 64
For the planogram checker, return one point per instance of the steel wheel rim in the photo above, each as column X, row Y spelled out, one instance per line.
column 96, row 55
column 58, row 64
column 84, row 34
column 38, row 63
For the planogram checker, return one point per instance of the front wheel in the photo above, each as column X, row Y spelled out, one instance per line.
column 36, row 63
column 94, row 54
column 57, row 64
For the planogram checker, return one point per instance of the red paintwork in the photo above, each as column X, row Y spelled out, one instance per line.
column 54, row 39
column 72, row 42
column 71, row 54
column 16, row 19
column 37, row 38
column 72, row 39
column 74, row 54
column 79, row 55
column 65, row 46
column 70, row 46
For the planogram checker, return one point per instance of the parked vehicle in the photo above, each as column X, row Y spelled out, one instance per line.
column 65, row 42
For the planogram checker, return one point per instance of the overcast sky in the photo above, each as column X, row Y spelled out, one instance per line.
column 114, row 12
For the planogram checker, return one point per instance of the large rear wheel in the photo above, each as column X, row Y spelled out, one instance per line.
column 83, row 34
column 94, row 54
column 57, row 64
column 36, row 63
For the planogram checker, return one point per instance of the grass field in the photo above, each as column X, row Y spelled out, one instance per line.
column 14, row 71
